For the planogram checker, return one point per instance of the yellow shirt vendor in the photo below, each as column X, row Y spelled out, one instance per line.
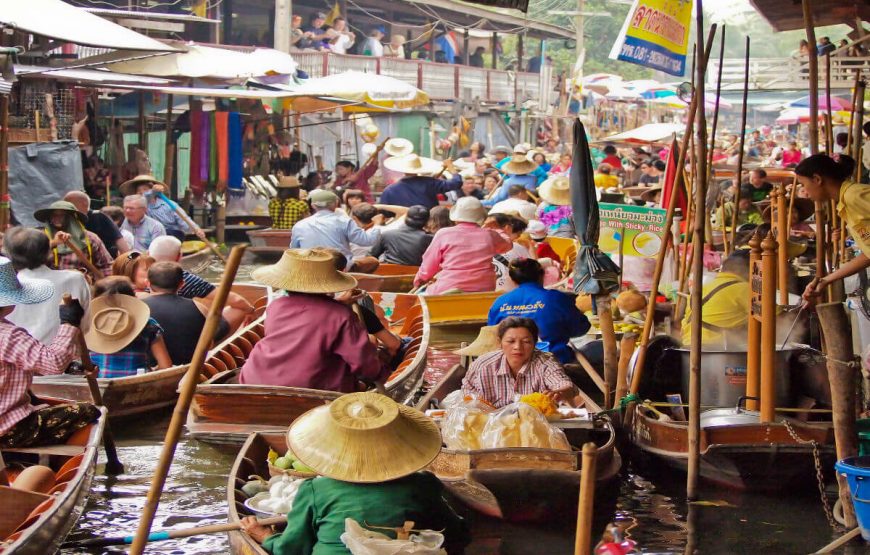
column 725, row 304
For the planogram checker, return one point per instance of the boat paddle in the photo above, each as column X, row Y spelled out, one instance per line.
column 178, row 210
column 171, row 534
column 113, row 463
column 98, row 275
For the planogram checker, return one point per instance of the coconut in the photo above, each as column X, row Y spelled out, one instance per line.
column 584, row 303
column 630, row 300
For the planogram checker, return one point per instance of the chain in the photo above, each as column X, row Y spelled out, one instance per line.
column 817, row 461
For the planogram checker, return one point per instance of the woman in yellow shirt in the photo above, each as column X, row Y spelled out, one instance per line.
column 826, row 179
column 604, row 179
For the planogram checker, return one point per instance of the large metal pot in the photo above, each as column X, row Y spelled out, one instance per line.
column 728, row 417
column 723, row 376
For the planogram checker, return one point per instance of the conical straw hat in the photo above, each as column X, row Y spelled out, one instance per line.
column 556, row 190
column 364, row 438
column 399, row 147
column 305, row 271
column 486, row 341
column 519, row 165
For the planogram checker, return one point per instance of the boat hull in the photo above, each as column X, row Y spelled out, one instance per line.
column 197, row 261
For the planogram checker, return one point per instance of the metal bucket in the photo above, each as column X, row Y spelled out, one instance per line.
column 723, row 376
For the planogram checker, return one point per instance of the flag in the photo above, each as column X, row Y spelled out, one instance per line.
column 449, row 45
column 656, row 34
column 334, row 13
column 670, row 179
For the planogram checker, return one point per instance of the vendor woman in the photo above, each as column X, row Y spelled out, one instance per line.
column 369, row 451
column 824, row 179
column 517, row 368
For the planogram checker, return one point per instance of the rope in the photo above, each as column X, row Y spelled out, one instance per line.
column 855, row 363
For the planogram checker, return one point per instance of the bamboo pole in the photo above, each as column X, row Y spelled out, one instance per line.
column 782, row 233
column 583, row 537
column 837, row 332
column 645, row 335
column 839, row 542
column 853, row 138
column 4, row 162
column 829, row 128
column 708, row 224
column 768, row 329
column 694, row 454
column 740, row 154
column 83, row 258
column 603, row 305
column 188, row 387
column 753, row 340
column 626, row 349
column 143, row 137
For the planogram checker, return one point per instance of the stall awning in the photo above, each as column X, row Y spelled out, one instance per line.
column 93, row 77
column 59, row 20
column 645, row 134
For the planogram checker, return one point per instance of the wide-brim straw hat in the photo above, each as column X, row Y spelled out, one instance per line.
column 288, row 182
column 413, row 164
column 305, row 271
column 519, row 165
column 129, row 187
column 113, row 321
column 803, row 207
column 44, row 214
column 501, row 149
column 556, row 190
column 469, row 210
column 486, row 341
column 648, row 195
column 28, row 291
column 399, row 147
column 364, row 438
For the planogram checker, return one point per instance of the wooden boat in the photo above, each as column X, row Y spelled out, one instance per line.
column 36, row 524
column 268, row 244
column 195, row 256
column 224, row 411
column 462, row 308
column 142, row 393
column 523, row 484
column 395, row 278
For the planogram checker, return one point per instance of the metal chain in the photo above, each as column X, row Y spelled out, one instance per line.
column 817, row 461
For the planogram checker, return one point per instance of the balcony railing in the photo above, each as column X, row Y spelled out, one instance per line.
column 786, row 73
column 439, row 81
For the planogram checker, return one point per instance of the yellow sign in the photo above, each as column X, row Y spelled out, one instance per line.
column 656, row 34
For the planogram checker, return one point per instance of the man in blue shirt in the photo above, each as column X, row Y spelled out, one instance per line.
column 417, row 187
column 519, row 170
column 150, row 187
column 554, row 312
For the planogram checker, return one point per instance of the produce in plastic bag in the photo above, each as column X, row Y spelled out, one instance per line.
column 365, row 542
column 464, row 422
column 521, row 425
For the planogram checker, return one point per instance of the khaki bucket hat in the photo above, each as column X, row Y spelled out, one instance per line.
column 113, row 321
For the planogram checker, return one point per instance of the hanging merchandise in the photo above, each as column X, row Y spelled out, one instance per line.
column 221, row 120
column 204, row 150
column 196, row 184
column 234, row 127
column 213, row 150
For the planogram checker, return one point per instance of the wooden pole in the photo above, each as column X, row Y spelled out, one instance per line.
column 113, row 463
column 626, row 349
column 83, row 258
column 603, row 304
column 839, row 542
column 169, row 162
column 753, row 340
column 694, row 455
column 4, row 162
column 768, row 329
column 837, row 332
column 740, row 154
column 188, row 387
column 782, row 232
column 646, row 334
column 829, row 128
column 716, row 107
column 583, row 538
column 143, row 137
column 855, row 130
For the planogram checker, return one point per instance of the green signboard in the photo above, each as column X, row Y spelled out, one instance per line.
column 641, row 229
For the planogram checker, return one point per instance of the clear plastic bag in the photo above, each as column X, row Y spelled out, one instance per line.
column 464, row 422
column 365, row 542
column 521, row 425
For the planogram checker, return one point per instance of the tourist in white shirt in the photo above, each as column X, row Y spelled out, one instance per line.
column 28, row 249
column 343, row 39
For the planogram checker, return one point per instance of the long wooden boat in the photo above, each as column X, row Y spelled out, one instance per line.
column 196, row 260
column 142, row 393
column 461, row 308
column 395, row 278
column 748, row 456
column 36, row 524
column 224, row 411
column 523, row 484
column 268, row 244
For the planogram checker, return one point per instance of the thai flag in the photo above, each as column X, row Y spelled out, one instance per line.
column 448, row 43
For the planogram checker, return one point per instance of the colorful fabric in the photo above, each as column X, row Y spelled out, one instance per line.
column 147, row 230
column 285, row 213
column 236, row 162
column 49, row 425
column 315, row 342
column 204, row 149
column 22, row 357
column 223, row 148
column 854, row 207
column 129, row 360
column 461, row 257
column 544, row 250
column 161, row 211
column 195, row 287
column 195, row 180
column 332, row 230
column 559, row 219
column 490, row 378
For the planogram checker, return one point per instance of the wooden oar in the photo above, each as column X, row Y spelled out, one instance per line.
column 178, row 210
column 113, row 463
column 188, row 388
column 98, row 275
column 172, row 534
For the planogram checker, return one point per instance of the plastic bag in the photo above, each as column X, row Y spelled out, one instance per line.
column 365, row 542
column 464, row 422
column 521, row 425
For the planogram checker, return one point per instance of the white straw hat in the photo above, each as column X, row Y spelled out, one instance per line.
column 468, row 209
column 305, row 271
column 399, row 147
column 413, row 165
column 556, row 190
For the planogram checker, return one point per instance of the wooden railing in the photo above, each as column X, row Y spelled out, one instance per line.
column 786, row 73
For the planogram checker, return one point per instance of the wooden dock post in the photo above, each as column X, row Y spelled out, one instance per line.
column 768, row 329
column 783, row 227
column 753, row 340
column 583, row 537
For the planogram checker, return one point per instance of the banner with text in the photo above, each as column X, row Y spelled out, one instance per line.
column 641, row 229
column 656, row 34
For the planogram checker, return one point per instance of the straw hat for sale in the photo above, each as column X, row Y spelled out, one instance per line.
column 486, row 341
column 399, row 147
column 305, row 271
column 519, row 165
column 556, row 190
column 113, row 321
column 469, row 210
column 364, row 438
column 28, row 291
column 44, row 214
column 129, row 187
column 288, row 182
column 413, row 165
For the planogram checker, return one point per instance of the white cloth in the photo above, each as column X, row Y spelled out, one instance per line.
column 524, row 208
column 372, row 47
column 342, row 43
column 503, row 282
column 42, row 320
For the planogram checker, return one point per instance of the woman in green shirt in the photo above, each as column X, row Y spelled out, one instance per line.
column 368, row 450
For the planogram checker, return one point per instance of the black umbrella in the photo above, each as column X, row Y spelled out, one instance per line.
column 594, row 272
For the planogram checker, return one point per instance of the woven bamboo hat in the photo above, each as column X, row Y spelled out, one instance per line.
column 413, row 165
column 44, row 214
column 556, row 190
column 364, row 438
column 113, row 321
column 305, row 271
column 519, row 165
column 486, row 341
column 399, row 147
column 129, row 187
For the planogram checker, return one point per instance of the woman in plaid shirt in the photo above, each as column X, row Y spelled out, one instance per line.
column 500, row 377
